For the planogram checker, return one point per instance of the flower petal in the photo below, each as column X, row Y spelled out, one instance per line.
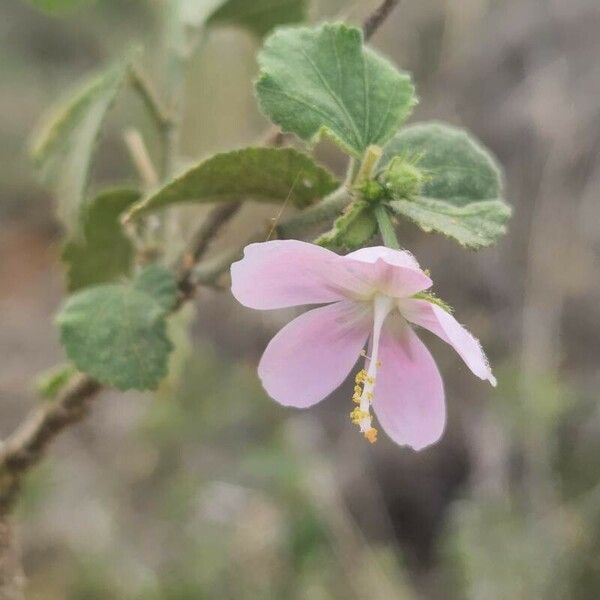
column 283, row 273
column 392, row 272
column 398, row 258
column 444, row 325
column 409, row 392
column 311, row 356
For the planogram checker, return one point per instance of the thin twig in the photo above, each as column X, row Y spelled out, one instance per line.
column 153, row 105
column 375, row 20
column 140, row 157
column 25, row 446
column 209, row 229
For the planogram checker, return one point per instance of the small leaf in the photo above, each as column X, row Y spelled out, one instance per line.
column 103, row 252
column 352, row 230
column 63, row 150
column 265, row 174
column 50, row 382
column 158, row 282
column 459, row 169
column 56, row 6
column 117, row 332
column 474, row 225
column 461, row 192
column 324, row 81
column 260, row 16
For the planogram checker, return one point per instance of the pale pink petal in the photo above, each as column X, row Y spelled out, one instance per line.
column 283, row 273
column 409, row 393
column 392, row 272
column 311, row 356
column 398, row 258
column 444, row 325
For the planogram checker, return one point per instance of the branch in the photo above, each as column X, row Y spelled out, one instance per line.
column 26, row 445
column 376, row 19
column 200, row 243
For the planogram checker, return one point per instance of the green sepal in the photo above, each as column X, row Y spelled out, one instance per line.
column 431, row 297
column 353, row 229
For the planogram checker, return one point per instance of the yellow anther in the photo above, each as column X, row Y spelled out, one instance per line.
column 370, row 380
column 371, row 435
column 361, row 376
column 370, row 396
column 378, row 364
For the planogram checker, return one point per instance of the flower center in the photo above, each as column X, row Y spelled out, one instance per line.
column 364, row 383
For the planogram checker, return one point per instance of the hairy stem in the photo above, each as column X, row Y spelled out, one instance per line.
column 386, row 227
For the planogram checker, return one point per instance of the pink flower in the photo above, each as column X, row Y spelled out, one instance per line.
column 368, row 295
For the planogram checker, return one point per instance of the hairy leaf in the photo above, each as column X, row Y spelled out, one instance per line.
column 117, row 332
column 63, row 149
column 323, row 80
column 474, row 225
column 260, row 16
column 265, row 174
column 159, row 283
column 461, row 191
column 457, row 167
column 103, row 252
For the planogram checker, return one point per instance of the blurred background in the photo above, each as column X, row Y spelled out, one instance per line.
column 208, row 489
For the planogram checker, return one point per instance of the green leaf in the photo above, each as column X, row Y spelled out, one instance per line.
column 50, row 382
column 459, row 169
column 159, row 283
column 323, row 80
column 461, row 193
column 55, row 6
column 117, row 332
column 265, row 174
column 353, row 229
column 260, row 16
column 474, row 225
column 64, row 148
column 103, row 252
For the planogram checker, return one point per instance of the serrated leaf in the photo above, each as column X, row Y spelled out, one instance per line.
column 474, row 225
column 323, row 80
column 103, row 252
column 64, row 148
column 260, row 16
column 353, row 229
column 461, row 196
column 264, row 174
column 117, row 332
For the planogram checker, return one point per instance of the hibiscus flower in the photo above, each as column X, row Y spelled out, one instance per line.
column 373, row 295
